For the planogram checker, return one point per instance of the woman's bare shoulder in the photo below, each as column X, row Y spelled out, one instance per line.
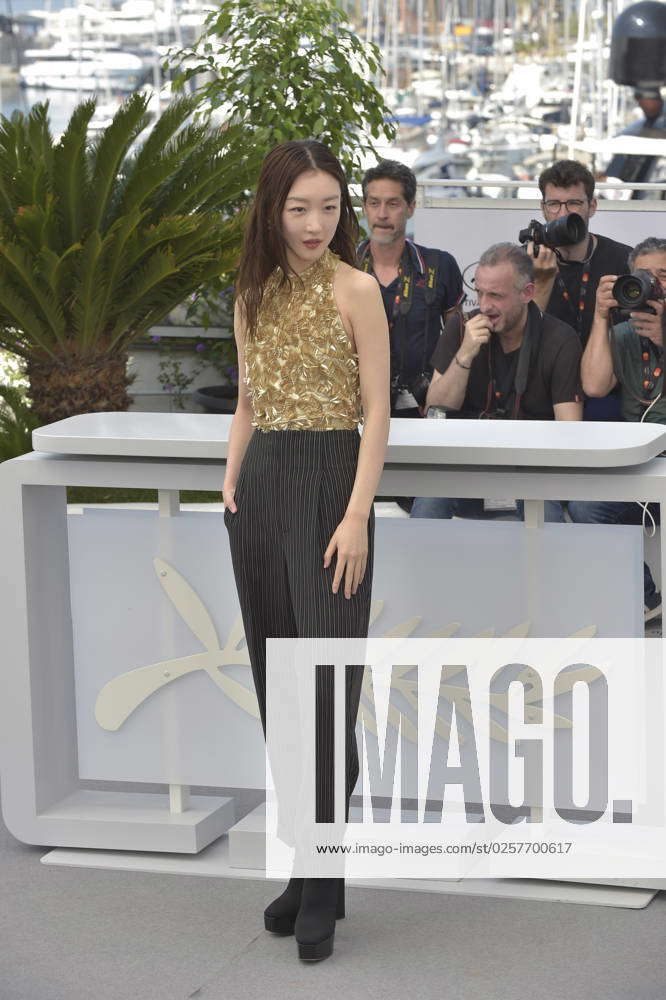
column 356, row 282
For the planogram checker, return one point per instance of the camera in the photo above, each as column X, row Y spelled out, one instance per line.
column 564, row 232
column 418, row 387
column 633, row 291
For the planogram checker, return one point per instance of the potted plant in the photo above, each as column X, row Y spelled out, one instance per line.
column 288, row 69
column 214, row 304
column 218, row 353
column 100, row 239
column 223, row 397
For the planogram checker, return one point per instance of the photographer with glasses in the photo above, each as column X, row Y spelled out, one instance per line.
column 626, row 349
column 510, row 361
column 566, row 282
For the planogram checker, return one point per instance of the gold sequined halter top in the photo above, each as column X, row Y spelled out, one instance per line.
column 301, row 369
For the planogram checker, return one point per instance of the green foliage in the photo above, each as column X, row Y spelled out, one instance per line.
column 289, row 69
column 216, row 352
column 100, row 240
column 17, row 423
column 212, row 306
column 117, row 494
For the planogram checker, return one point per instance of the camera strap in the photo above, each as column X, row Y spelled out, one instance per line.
column 432, row 266
column 402, row 304
column 515, row 381
column 403, row 300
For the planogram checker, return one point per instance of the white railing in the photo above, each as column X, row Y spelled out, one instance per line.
column 425, row 200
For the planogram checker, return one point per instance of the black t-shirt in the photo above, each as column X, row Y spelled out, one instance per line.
column 609, row 257
column 553, row 376
column 415, row 336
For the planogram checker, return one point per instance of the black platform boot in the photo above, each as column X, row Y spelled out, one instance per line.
column 322, row 903
column 280, row 915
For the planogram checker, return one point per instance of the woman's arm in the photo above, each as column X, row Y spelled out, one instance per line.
column 241, row 425
column 370, row 329
column 360, row 304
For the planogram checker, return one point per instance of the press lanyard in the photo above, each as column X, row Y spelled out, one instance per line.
column 499, row 395
column 518, row 370
column 651, row 370
column 582, row 292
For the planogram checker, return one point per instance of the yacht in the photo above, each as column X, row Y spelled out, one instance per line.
column 87, row 69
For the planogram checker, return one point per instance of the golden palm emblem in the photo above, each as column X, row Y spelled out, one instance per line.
column 123, row 694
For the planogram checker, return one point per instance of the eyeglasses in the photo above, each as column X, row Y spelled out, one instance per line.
column 572, row 205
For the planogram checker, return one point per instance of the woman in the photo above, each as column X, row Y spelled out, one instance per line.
column 313, row 352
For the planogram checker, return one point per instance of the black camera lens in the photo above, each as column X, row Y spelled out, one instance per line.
column 632, row 291
column 565, row 232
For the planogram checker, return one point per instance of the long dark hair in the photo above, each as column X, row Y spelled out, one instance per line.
column 264, row 247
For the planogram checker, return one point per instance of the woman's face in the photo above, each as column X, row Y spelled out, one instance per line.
column 310, row 217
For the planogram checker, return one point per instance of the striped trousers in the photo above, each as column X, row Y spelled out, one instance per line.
column 292, row 492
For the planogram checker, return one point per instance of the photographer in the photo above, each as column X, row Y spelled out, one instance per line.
column 419, row 286
column 566, row 282
column 628, row 352
column 510, row 362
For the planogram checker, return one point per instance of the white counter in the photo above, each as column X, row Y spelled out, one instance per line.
column 427, row 442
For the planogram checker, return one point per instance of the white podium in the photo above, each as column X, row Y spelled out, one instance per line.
column 41, row 796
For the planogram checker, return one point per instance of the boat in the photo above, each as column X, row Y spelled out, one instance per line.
column 113, row 49
column 638, row 158
column 84, row 69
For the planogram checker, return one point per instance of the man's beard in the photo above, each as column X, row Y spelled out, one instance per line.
column 508, row 323
column 386, row 236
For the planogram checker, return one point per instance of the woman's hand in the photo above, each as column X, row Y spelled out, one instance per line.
column 228, row 497
column 350, row 538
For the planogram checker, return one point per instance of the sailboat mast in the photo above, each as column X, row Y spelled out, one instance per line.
column 394, row 31
column 575, row 102
column 419, row 25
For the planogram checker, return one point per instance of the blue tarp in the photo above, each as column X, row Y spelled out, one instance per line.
column 409, row 119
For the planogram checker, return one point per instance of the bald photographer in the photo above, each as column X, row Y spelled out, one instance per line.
column 510, row 361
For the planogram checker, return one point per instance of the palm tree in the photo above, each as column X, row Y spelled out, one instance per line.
column 100, row 239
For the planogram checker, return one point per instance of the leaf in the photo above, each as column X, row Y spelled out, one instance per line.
column 19, row 264
column 70, row 172
column 85, row 307
column 109, row 150
column 288, row 69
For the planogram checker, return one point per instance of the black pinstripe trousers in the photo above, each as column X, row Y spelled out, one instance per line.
column 292, row 492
